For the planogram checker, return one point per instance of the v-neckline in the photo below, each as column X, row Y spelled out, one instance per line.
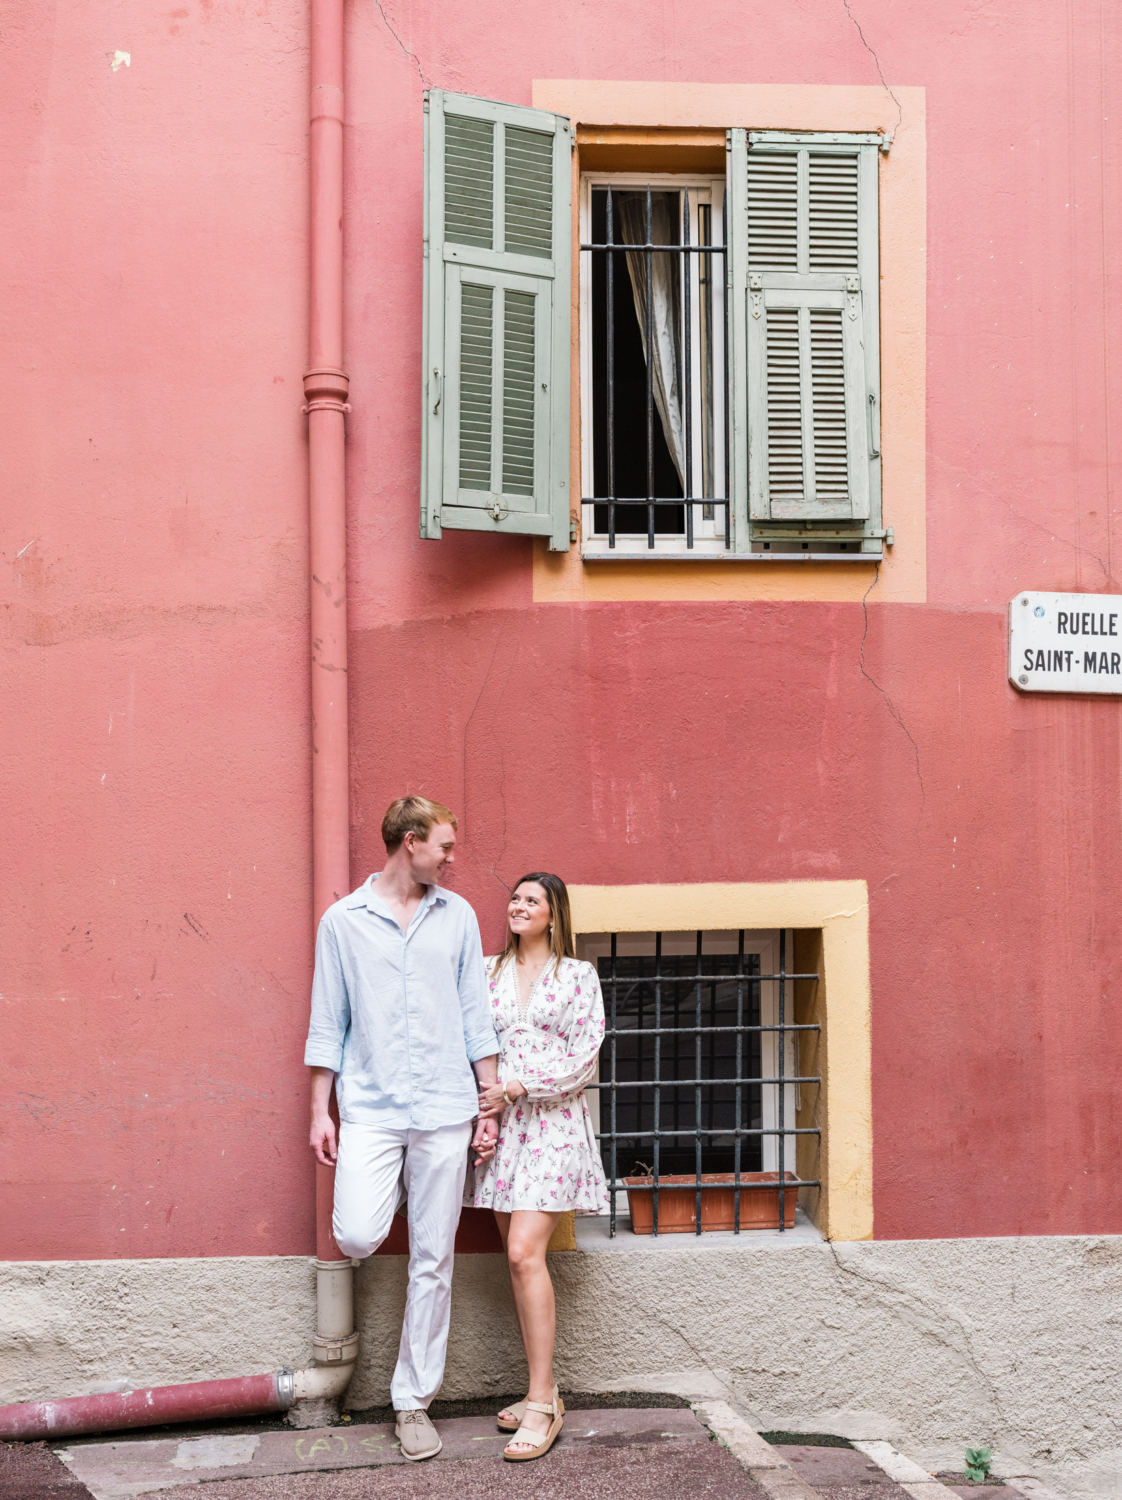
column 523, row 1011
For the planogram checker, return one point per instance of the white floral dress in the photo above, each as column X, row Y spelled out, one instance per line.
column 547, row 1157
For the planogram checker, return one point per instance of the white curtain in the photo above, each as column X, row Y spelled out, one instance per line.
column 665, row 303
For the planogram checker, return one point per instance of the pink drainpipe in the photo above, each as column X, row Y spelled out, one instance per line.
column 325, row 388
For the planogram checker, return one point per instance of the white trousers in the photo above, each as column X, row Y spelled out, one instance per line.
column 376, row 1168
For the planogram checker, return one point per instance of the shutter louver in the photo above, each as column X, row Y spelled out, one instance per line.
column 518, row 394
column 469, row 182
column 832, row 232
column 784, row 406
column 476, row 364
column 529, row 191
column 827, row 386
column 773, row 212
column 495, row 439
column 809, row 315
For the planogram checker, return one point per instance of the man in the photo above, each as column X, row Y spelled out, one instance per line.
column 400, row 1018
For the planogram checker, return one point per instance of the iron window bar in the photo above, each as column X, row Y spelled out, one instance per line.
column 710, row 1078
column 610, row 249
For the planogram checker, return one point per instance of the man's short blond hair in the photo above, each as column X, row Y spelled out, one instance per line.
column 413, row 815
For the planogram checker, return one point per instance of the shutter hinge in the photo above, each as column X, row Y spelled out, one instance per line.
column 853, row 295
column 755, row 286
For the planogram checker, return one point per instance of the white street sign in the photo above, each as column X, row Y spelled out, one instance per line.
column 1066, row 643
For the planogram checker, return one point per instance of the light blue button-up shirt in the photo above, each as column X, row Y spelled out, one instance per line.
column 400, row 1019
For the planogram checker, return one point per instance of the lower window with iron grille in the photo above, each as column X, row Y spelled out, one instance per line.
column 705, row 1115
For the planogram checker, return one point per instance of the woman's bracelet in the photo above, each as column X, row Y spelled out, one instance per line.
column 507, row 1085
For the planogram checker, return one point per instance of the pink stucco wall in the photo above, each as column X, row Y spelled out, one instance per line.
column 156, row 924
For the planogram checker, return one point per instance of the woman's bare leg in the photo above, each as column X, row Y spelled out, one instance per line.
column 525, row 1235
column 502, row 1222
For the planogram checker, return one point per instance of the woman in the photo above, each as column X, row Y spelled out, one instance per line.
column 549, row 1016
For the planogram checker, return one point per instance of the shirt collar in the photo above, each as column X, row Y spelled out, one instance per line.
column 367, row 896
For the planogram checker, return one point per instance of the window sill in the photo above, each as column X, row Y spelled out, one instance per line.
column 731, row 557
column 593, row 1239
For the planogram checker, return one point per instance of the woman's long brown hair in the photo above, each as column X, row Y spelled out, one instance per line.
column 561, row 937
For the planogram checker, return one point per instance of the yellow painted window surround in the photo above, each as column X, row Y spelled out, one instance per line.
column 832, row 939
column 664, row 126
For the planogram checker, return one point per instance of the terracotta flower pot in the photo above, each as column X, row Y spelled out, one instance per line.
column 677, row 1202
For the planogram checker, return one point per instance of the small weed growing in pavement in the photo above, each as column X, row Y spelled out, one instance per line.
column 978, row 1461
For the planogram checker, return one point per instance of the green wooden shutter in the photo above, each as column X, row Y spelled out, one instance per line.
column 806, row 329
column 495, row 433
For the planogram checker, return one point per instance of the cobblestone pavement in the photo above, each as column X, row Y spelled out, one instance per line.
column 625, row 1453
column 632, row 1473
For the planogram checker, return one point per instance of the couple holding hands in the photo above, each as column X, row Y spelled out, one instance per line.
column 405, row 1009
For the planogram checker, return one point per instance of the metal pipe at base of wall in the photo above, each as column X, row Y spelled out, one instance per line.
column 197, row 1401
column 245, row 1396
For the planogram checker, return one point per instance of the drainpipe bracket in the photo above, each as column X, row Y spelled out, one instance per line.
column 286, row 1388
column 335, row 1351
column 326, row 389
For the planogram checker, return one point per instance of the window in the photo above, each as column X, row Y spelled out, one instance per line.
column 654, row 429
column 699, row 1072
column 806, row 367
column 729, row 343
column 495, row 434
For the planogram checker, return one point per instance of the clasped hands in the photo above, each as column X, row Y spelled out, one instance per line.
column 491, row 1105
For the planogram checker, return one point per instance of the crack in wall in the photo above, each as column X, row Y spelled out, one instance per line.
column 880, row 70
column 891, row 706
column 416, row 60
column 501, row 782
column 1080, row 549
column 940, row 1321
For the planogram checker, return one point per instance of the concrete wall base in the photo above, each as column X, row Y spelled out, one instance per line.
column 930, row 1344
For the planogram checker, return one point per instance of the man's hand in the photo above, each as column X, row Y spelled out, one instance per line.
column 485, row 1139
column 323, row 1140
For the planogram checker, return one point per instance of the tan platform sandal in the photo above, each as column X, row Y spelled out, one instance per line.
column 542, row 1442
column 517, row 1411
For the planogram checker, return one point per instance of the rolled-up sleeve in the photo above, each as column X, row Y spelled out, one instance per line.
column 331, row 1007
column 479, row 1032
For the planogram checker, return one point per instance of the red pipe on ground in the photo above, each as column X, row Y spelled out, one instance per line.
column 163, row 1403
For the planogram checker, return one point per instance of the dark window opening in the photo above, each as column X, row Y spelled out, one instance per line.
column 667, row 986
column 697, row 1073
column 629, row 408
column 658, row 349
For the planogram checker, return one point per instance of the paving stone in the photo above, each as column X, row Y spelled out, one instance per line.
column 30, row 1471
column 840, row 1473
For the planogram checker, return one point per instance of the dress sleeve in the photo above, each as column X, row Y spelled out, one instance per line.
column 568, row 1065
